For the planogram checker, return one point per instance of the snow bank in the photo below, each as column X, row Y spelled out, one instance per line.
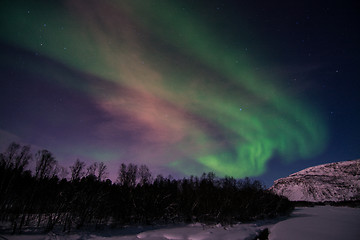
column 196, row 232
column 188, row 232
column 321, row 223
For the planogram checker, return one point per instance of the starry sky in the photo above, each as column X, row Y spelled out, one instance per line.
column 240, row 88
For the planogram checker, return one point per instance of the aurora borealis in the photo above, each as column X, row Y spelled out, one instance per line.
column 185, row 87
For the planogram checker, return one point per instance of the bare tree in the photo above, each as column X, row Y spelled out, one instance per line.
column 127, row 175
column 102, row 171
column 122, row 175
column 46, row 165
column 77, row 170
column 22, row 159
column 8, row 156
column 91, row 170
column 144, row 175
column 131, row 174
column 98, row 170
column 16, row 157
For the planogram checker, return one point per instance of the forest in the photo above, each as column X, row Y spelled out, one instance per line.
column 51, row 196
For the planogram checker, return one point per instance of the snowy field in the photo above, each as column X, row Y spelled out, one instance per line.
column 323, row 223
column 320, row 223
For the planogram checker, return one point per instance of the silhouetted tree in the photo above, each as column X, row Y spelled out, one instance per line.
column 91, row 170
column 77, row 170
column 15, row 157
column 98, row 170
column 127, row 175
column 46, row 165
column 135, row 198
column 102, row 171
column 144, row 175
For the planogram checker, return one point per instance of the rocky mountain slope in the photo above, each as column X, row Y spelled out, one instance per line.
column 338, row 181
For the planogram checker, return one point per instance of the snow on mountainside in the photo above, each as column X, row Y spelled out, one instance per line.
column 336, row 182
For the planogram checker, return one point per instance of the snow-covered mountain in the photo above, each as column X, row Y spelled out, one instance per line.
column 338, row 181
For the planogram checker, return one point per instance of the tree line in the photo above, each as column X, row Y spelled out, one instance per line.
column 46, row 199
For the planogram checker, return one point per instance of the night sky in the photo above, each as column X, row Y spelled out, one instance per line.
column 241, row 88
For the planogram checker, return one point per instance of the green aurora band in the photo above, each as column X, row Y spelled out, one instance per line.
column 157, row 49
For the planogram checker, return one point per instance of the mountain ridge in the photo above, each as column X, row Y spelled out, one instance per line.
column 335, row 182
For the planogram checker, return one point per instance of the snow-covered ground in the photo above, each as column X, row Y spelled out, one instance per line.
column 328, row 223
column 185, row 232
column 321, row 223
